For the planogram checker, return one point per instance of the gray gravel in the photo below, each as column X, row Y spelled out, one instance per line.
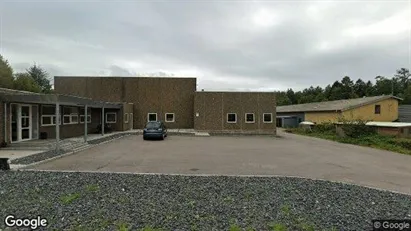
column 103, row 201
column 38, row 157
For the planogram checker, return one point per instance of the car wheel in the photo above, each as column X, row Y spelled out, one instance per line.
column 162, row 137
column 144, row 138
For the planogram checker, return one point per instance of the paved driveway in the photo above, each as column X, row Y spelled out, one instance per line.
column 290, row 155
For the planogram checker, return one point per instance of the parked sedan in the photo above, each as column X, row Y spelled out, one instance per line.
column 155, row 130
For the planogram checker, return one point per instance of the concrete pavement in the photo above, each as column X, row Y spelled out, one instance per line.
column 290, row 155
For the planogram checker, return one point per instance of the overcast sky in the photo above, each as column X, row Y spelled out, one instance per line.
column 255, row 45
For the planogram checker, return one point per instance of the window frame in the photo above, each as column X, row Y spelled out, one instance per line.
column 377, row 112
column 249, row 122
column 169, row 121
column 148, row 117
column 70, row 116
column 271, row 116
column 232, row 122
column 88, row 119
column 115, row 118
column 126, row 118
column 51, row 116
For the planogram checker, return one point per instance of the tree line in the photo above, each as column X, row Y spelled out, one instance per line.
column 34, row 79
column 398, row 85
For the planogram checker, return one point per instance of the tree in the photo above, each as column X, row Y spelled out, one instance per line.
column 406, row 96
column 40, row 76
column 25, row 82
column 369, row 89
column 6, row 74
column 347, row 88
column 383, row 86
column 291, row 95
column 403, row 75
column 282, row 98
column 360, row 88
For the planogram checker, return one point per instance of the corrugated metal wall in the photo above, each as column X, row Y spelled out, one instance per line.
column 404, row 113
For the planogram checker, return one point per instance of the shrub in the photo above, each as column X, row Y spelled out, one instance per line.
column 356, row 128
column 327, row 127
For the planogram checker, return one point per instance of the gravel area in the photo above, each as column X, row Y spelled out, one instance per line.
column 107, row 201
column 38, row 157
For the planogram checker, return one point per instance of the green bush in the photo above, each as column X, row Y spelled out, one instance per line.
column 356, row 128
column 324, row 128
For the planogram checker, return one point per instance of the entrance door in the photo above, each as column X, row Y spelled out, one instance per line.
column 25, row 125
column 279, row 122
column 21, row 122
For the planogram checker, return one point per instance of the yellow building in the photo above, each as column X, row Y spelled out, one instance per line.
column 377, row 108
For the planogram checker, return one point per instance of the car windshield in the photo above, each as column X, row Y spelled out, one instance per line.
column 153, row 125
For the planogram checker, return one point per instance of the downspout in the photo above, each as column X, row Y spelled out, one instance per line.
column 5, row 123
column 102, row 120
column 57, row 123
column 85, row 123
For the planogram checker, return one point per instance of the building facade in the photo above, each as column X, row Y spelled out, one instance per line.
column 177, row 102
column 28, row 116
column 378, row 108
column 239, row 112
column 156, row 98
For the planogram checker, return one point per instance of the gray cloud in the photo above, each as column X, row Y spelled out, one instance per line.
column 228, row 45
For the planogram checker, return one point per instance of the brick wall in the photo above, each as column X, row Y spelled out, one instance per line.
column 211, row 108
column 148, row 95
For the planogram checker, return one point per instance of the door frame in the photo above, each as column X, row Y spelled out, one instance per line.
column 131, row 121
column 18, row 121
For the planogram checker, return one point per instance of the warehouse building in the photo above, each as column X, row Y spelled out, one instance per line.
column 84, row 105
column 377, row 108
column 177, row 102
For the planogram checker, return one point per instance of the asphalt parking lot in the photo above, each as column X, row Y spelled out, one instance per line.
column 288, row 155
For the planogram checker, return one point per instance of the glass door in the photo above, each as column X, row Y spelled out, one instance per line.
column 25, row 125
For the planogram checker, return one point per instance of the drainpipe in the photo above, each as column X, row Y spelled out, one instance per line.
column 102, row 120
column 57, row 124
column 85, row 123
column 5, row 122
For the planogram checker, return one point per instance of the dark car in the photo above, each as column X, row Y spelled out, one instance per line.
column 155, row 130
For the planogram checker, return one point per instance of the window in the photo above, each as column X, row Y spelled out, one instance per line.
column 377, row 109
column 126, row 118
column 111, row 117
column 231, row 118
column 268, row 117
column 82, row 115
column 152, row 117
column 82, row 119
column 249, row 118
column 169, row 117
column 48, row 115
column 70, row 115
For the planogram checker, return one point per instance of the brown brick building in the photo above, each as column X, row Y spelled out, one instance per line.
column 245, row 112
column 124, row 103
column 178, row 100
column 154, row 96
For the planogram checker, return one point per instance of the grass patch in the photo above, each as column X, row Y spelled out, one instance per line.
column 68, row 199
column 389, row 143
column 92, row 188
